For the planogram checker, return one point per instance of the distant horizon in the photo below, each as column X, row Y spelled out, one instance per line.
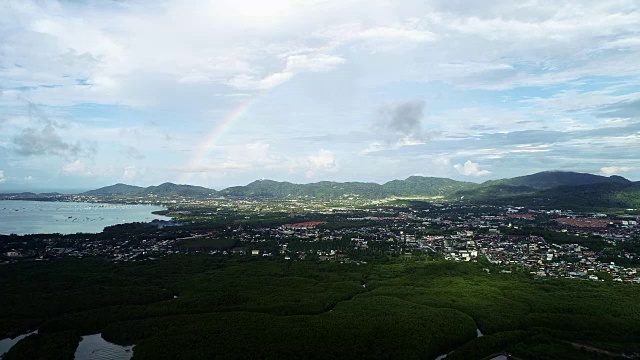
column 72, row 191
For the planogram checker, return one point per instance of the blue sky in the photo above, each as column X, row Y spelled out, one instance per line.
column 93, row 93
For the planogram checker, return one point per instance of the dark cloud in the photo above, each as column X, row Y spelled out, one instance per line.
column 132, row 152
column 528, row 137
column 623, row 109
column 402, row 121
column 44, row 139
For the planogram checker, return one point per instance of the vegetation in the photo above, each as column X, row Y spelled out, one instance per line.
column 50, row 346
column 556, row 189
column 597, row 196
column 166, row 189
column 551, row 179
column 202, row 307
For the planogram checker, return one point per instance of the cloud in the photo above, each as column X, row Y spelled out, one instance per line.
column 395, row 34
column 92, row 52
column 402, row 123
column 132, row 152
column 2, row 177
column 294, row 64
column 132, row 172
column 614, row 170
column 623, row 109
column 76, row 167
column 470, row 169
column 213, row 168
column 44, row 139
column 313, row 62
column 122, row 64
column 321, row 162
column 248, row 82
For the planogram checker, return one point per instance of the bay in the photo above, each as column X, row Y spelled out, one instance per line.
column 6, row 344
column 94, row 347
column 42, row 217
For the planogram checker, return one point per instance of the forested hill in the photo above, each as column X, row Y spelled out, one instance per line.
column 551, row 179
column 426, row 186
column 166, row 189
column 269, row 189
column 545, row 188
column 412, row 186
column 113, row 190
column 170, row 189
column 578, row 197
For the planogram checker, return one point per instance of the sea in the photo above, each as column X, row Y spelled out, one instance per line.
column 46, row 217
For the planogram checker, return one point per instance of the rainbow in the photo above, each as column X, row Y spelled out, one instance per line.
column 205, row 147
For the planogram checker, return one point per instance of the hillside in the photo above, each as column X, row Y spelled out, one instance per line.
column 551, row 188
column 166, row 189
column 115, row 190
column 585, row 197
column 171, row 189
column 426, row 186
column 551, row 179
column 490, row 192
column 412, row 186
column 604, row 195
column 269, row 189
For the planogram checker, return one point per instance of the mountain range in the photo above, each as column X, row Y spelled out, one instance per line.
column 166, row 189
column 544, row 188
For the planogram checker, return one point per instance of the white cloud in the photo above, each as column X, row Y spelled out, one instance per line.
column 321, row 162
column 77, row 167
column 211, row 168
column 187, row 64
column 395, row 34
column 2, row 177
column 471, row 169
column 244, row 43
column 294, row 64
column 390, row 38
column 312, row 62
column 130, row 173
column 614, row 170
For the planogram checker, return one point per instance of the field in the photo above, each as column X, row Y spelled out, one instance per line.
column 202, row 307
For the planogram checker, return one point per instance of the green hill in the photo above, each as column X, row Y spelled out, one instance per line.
column 577, row 197
column 412, row 186
column 166, row 189
column 545, row 189
column 270, row 189
column 115, row 190
column 604, row 195
column 551, row 179
column 426, row 186
column 490, row 192
column 171, row 189
column 553, row 188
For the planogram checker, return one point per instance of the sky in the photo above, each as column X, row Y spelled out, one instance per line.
column 221, row 93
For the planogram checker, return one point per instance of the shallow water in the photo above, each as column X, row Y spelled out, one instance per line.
column 41, row 217
column 94, row 347
column 6, row 344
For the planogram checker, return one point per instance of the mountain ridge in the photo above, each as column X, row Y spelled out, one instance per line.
column 164, row 189
column 412, row 186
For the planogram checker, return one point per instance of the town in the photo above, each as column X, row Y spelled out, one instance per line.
column 541, row 243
